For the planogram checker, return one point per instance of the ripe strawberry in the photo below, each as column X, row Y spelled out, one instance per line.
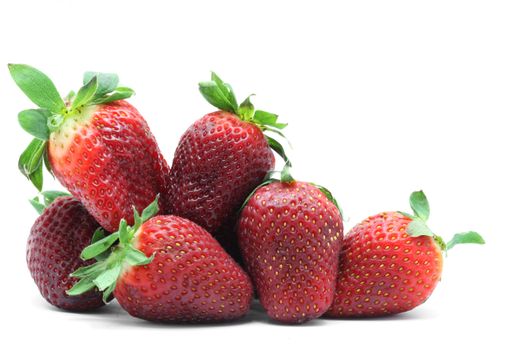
column 57, row 237
column 220, row 159
column 391, row 263
column 290, row 234
column 187, row 277
column 97, row 145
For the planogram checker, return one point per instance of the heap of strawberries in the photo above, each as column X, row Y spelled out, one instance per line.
column 196, row 241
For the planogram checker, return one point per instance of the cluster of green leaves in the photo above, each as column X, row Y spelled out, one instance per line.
column 221, row 95
column 418, row 226
column 98, row 88
column 48, row 197
column 111, row 258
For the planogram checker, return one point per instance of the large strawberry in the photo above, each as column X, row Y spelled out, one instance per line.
column 169, row 269
column 57, row 237
column 96, row 144
column 391, row 263
column 220, row 159
column 290, row 234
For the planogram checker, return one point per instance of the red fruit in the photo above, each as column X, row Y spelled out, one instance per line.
column 188, row 277
column 290, row 236
column 391, row 263
column 53, row 249
column 97, row 145
column 220, row 159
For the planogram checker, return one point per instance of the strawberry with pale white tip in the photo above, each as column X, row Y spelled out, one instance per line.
column 167, row 269
column 391, row 263
column 290, row 234
column 96, row 144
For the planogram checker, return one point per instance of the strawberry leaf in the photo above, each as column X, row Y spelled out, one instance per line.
column 267, row 119
column 418, row 227
column 107, row 82
column 277, row 147
column 30, row 162
column 85, row 94
column 419, row 204
column 246, row 109
column 34, row 121
column 37, row 86
column 120, row 93
column 465, row 238
column 99, row 247
column 39, row 207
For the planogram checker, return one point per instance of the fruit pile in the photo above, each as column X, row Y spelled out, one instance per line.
column 196, row 241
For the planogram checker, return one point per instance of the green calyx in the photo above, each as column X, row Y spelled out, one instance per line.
column 221, row 95
column 112, row 259
column 286, row 177
column 98, row 88
column 418, row 226
column 48, row 197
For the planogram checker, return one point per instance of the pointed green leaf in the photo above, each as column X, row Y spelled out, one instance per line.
column 108, row 291
column 37, row 176
column 226, row 90
column 407, row 214
column 85, row 94
column 108, row 277
column 37, row 86
column 135, row 257
column 31, row 158
column 120, row 93
column 50, row 196
column 246, row 109
column 419, row 204
column 34, row 121
column 330, row 197
column 268, row 119
column 286, row 175
column 39, row 207
column 107, row 82
column 123, row 233
column 81, row 287
column 151, row 210
column 277, row 147
column 418, row 227
column 465, row 238
column 99, row 247
column 215, row 97
column 91, row 270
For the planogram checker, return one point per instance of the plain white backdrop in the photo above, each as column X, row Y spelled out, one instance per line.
column 382, row 98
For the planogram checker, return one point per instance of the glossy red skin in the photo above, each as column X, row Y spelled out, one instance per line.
column 191, row 279
column 383, row 270
column 53, row 252
column 290, row 237
column 113, row 163
column 219, row 161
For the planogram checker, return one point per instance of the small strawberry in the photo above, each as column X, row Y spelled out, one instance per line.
column 167, row 269
column 391, row 263
column 290, row 234
column 96, row 144
column 57, row 237
column 220, row 159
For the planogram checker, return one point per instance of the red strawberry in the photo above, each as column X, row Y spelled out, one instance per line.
column 391, row 263
column 220, row 159
column 97, row 145
column 53, row 248
column 290, row 234
column 187, row 277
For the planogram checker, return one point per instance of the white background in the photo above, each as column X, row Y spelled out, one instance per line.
column 382, row 98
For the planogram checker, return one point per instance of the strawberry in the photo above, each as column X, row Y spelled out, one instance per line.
column 96, row 144
column 57, row 237
column 220, row 159
column 167, row 269
column 290, row 234
column 391, row 263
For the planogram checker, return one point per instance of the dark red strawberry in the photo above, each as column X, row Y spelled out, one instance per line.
column 220, row 159
column 58, row 236
column 96, row 144
column 391, row 263
column 167, row 269
column 290, row 234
